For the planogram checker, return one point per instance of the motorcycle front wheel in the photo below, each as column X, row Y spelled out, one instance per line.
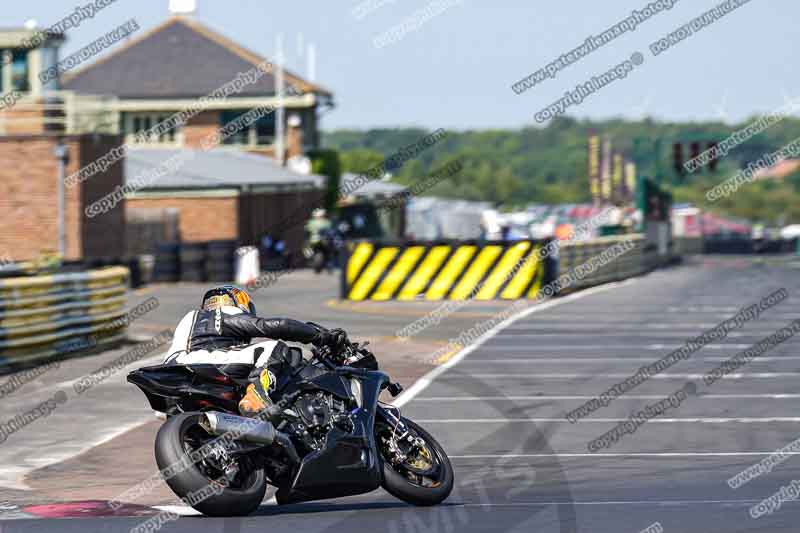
column 422, row 475
column 216, row 485
column 318, row 262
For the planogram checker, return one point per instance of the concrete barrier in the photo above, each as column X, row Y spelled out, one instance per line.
column 479, row 270
column 43, row 317
column 445, row 270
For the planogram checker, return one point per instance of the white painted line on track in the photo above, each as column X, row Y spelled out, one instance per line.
column 703, row 309
column 561, row 360
column 625, row 397
column 761, row 375
column 692, row 420
column 14, row 478
column 184, row 510
column 617, row 333
column 180, row 510
column 620, row 502
column 425, row 381
column 693, row 327
column 632, row 455
column 120, row 375
column 601, row 315
column 561, row 347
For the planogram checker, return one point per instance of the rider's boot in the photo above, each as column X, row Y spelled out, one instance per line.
column 256, row 398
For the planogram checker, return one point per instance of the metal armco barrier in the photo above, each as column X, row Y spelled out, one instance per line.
column 639, row 259
column 445, row 270
column 688, row 245
column 42, row 317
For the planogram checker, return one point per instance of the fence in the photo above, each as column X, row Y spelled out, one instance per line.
column 482, row 270
column 45, row 316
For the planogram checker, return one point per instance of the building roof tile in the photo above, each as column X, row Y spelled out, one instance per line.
column 180, row 58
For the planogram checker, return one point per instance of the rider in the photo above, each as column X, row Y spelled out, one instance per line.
column 220, row 333
column 318, row 224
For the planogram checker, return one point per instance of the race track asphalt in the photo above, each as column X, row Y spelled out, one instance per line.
column 521, row 466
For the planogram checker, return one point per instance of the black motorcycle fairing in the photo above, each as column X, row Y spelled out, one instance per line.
column 191, row 387
column 315, row 378
column 349, row 463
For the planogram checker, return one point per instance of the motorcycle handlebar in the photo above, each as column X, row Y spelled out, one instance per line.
column 324, row 353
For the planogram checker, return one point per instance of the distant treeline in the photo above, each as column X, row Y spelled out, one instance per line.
column 548, row 165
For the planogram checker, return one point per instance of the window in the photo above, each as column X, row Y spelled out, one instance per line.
column 241, row 136
column 137, row 124
column 261, row 133
column 15, row 72
column 19, row 71
column 265, row 129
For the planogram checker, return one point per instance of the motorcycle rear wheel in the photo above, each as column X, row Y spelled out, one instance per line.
column 182, row 434
column 424, row 479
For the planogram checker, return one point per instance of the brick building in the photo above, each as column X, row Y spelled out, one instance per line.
column 129, row 90
column 29, row 189
column 168, row 68
column 30, row 129
column 219, row 195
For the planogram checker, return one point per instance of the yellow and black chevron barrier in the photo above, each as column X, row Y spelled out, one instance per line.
column 445, row 271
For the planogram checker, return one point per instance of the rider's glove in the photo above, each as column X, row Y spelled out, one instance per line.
column 334, row 339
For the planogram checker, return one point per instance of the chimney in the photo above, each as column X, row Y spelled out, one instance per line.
column 183, row 7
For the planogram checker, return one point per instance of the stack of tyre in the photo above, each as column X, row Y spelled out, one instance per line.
column 167, row 268
column 193, row 261
column 220, row 260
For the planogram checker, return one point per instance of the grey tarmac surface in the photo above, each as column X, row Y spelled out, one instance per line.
column 67, row 455
column 521, row 466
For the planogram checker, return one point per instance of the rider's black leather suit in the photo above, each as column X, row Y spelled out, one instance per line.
column 215, row 330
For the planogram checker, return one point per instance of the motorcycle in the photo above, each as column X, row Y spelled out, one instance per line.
column 324, row 253
column 327, row 435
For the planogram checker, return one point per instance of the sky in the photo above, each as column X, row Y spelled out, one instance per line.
column 455, row 70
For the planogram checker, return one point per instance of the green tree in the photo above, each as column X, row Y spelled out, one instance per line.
column 549, row 164
column 360, row 160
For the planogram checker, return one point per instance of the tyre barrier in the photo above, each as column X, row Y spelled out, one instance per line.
column 445, row 270
column 728, row 245
column 486, row 270
column 219, row 260
column 52, row 316
column 195, row 262
column 773, row 246
column 167, row 266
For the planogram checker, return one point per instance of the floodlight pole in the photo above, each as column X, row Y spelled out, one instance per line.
column 62, row 154
column 280, row 111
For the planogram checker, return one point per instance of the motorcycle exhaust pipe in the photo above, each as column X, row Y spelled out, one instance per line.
column 241, row 428
column 250, row 430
